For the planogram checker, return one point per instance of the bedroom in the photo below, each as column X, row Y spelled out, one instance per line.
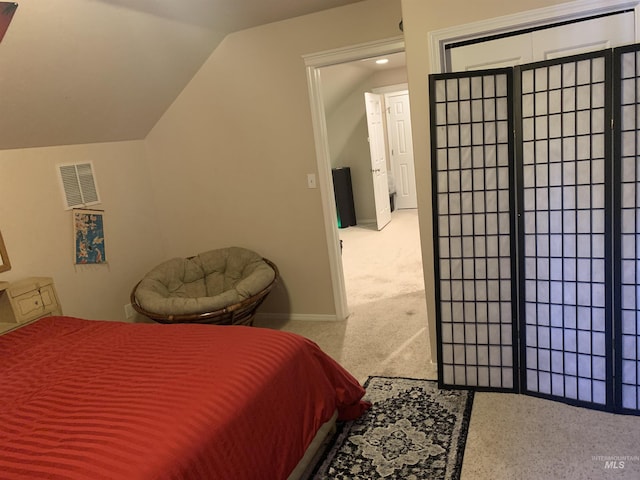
column 221, row 174
column 233, row 149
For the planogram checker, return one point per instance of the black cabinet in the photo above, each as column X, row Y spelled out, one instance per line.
column 344, row 197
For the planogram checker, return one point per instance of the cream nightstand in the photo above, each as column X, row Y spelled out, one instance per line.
column 27, row 300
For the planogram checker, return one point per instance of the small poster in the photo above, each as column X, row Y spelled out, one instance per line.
column 88, row 226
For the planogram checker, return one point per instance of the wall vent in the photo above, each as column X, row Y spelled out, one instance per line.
column 78, row 185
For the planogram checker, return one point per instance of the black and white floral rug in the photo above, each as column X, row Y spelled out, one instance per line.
column 414, row 430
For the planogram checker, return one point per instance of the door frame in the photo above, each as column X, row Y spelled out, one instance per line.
column 313, row 63
column 439, row 39
column 387, row 91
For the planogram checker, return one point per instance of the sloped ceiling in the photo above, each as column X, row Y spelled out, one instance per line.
column 338, row 81
column 85, row 71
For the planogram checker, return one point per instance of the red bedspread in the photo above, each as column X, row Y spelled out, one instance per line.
column 84, row 399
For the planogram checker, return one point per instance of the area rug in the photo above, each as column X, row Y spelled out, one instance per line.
column 414, row 430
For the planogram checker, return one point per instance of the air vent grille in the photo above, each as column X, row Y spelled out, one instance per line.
column 78, row 184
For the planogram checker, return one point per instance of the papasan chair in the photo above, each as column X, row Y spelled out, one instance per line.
column 223, row 286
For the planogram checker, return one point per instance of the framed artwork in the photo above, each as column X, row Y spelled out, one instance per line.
column 88, row 233
column 4, row 258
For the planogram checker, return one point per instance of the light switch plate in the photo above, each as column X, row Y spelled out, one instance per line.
column 311, row 180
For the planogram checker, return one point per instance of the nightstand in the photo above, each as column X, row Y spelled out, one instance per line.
column 27, row 300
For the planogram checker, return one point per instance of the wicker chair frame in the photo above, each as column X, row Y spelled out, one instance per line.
column 241, row 313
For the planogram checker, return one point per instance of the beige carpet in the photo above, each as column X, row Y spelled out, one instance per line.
column 386, row 332
column 511, row 436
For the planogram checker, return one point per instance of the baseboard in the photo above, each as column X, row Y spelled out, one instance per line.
column 367, row 221
column 307, row 317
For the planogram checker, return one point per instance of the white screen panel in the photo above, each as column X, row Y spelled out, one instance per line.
column 476, row 307
column 628, row 229
column 578, row 204
column 563, row 210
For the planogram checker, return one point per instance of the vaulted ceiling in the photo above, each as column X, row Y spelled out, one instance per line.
column 85, row 71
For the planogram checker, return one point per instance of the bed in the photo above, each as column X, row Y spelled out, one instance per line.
column 84, row 399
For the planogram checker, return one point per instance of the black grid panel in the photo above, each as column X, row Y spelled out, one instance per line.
column 627, row 233
column 565, row 311
column 473, row 221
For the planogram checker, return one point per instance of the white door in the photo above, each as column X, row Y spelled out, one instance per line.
column 579, row 37
column 585, row 36
column 373, row 107
column 503, row 52
column 401, row 149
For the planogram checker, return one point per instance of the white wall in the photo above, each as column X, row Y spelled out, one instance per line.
column 231, row 155
column 226, row 165
column 38, row 233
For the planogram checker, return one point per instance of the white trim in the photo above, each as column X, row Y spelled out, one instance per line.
column 519, row 21
column 313, row 63
column 354, row 52
column 304, row 317
column 325, row 182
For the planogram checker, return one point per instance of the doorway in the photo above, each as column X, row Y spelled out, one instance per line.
column 317, row 66
column 400, row 141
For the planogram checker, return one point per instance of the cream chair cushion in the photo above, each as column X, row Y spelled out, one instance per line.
column 207, row 282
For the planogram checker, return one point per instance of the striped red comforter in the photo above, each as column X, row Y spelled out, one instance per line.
column 84, row 400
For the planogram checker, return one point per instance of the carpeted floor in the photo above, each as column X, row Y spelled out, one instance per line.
column 510, row 436
column 412, row 431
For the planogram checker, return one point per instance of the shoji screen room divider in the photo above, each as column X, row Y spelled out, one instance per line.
column 536, row 194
